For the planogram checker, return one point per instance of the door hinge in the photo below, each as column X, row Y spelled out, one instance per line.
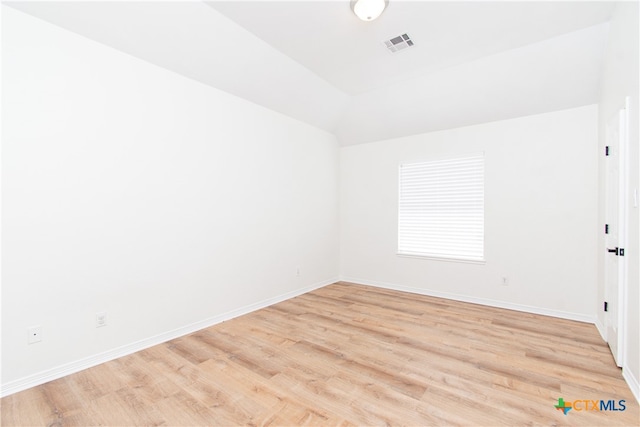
column 606, row 229
column 606, row 306
column 606, row 150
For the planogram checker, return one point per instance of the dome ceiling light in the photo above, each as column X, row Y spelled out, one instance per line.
column 368, row 10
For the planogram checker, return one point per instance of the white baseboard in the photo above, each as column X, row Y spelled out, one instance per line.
column 601, row 329
column 475, row 300
column 633, row 383
column 87, row 362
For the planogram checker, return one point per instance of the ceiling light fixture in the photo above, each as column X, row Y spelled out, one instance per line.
column 368, row 10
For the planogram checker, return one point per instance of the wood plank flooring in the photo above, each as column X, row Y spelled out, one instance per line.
column 348, row 355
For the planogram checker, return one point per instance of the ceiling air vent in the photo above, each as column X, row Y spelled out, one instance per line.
column 399, row 43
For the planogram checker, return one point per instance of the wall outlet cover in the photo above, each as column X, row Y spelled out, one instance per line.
column 101, row 319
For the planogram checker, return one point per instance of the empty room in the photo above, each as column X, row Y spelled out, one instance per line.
column 349, row 212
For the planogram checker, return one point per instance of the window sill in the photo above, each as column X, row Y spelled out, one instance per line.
column 434, row 258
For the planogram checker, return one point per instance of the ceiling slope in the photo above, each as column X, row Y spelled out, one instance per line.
column 198, row 42
column 555, row 74
column 473, row 62
column 327, row 38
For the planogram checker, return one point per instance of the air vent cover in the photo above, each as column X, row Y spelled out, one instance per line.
column 399, row 43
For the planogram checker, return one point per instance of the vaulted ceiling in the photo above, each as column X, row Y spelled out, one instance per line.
column 472, row 62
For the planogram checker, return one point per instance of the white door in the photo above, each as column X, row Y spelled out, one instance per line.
column 615, row 231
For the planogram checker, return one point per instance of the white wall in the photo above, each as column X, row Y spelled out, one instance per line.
column 620, row 79
column 540, row 214
column 132, row 190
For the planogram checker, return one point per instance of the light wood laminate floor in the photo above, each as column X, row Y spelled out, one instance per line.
column 348, row 355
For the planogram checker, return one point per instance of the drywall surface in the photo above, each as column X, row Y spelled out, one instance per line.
column 620, row 79
column 540, row 214
column 131, row 190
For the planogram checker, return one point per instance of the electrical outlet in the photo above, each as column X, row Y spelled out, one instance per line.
column 34, row 334
column 504, row 281
column 101, row 319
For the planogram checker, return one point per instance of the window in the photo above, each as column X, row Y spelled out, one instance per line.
column 441, row 209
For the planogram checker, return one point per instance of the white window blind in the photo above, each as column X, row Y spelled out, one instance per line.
column 441, row 208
